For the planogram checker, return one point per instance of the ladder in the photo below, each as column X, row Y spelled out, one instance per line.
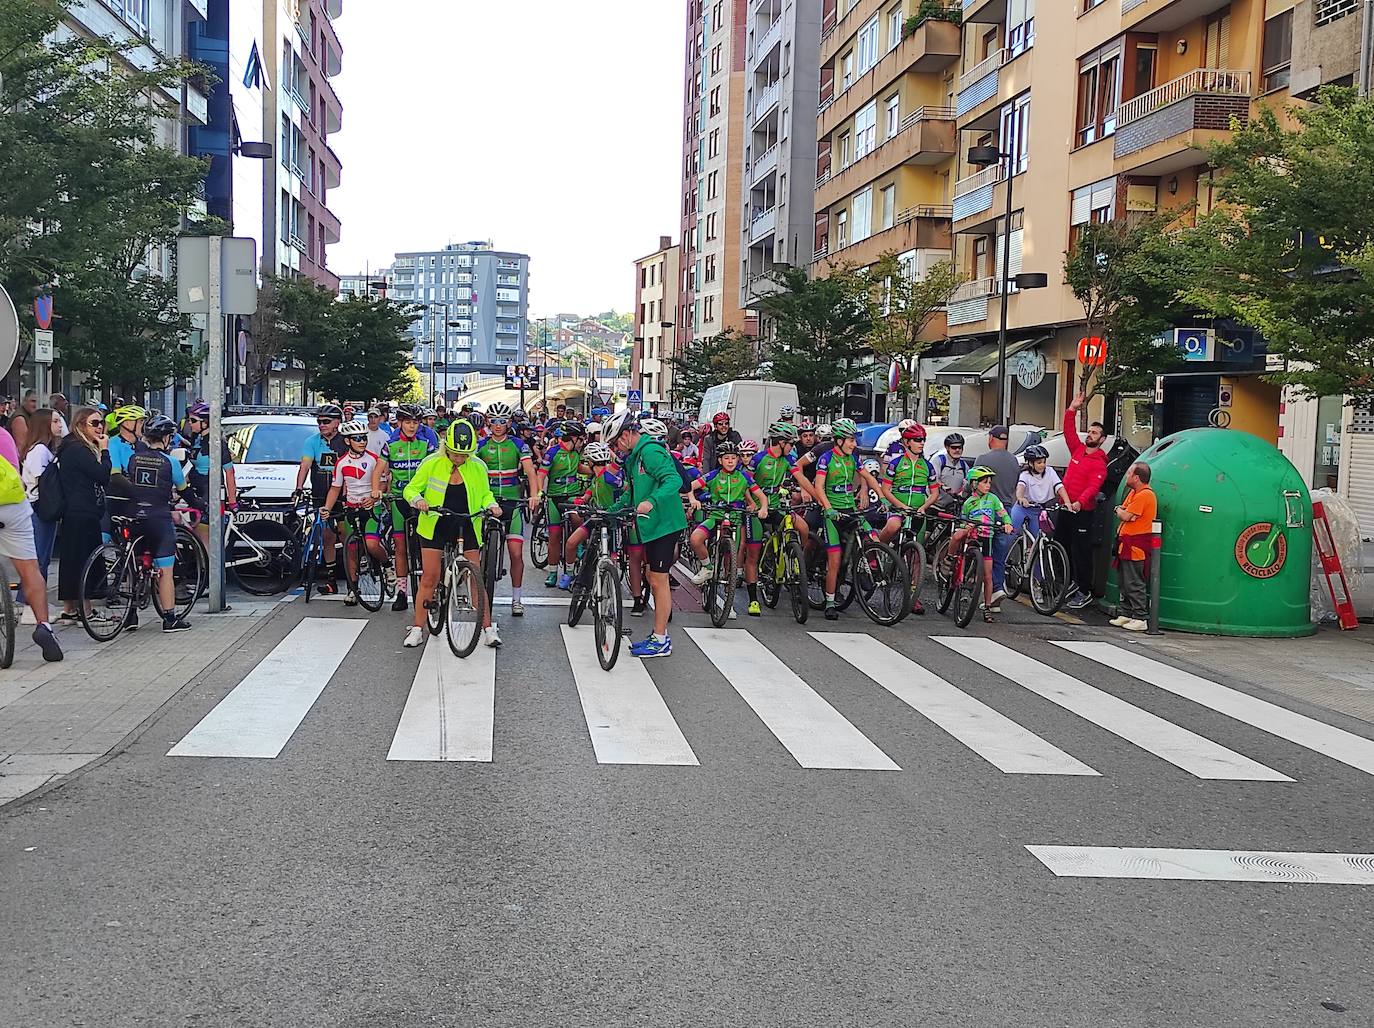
column 1331, row 567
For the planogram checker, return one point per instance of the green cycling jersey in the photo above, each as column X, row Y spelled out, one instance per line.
column 403, row 456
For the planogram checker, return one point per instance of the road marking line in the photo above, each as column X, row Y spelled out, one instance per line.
column 1336, row 743
column 990, row 734
column 450, row 713
column 1207, row 865
column 258, row 718
column 1180, row 747
column 813, row 731
column 626, row 717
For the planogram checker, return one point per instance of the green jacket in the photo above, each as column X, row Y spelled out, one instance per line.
column 431, row 481
column 650, row 474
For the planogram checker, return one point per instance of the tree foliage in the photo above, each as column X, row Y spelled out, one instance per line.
column 712, row 360
column 1291, row 251
column 901, row 309
column 820, row 332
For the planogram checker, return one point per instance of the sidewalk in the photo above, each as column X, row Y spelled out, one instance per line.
column 56, row 718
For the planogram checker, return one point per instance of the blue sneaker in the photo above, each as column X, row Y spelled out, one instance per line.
column 565, row 582
column 651, row 647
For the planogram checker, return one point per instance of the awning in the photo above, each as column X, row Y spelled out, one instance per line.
column 981, row 365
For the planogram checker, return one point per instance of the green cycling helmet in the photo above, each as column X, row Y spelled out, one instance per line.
column 980, row 471
column 461, row 437
column 844, row 428
column 782, row 430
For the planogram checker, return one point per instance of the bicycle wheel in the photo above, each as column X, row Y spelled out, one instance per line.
column 7, row 622
column 310, row 559
column 947, row 579
column 539, row 538
column 370, row 580
column 465, row 604
column 109, row 580
column 794, row 575
column 1016, row 562
column 913, row 556
column 719, row 594
column 267, row 573
column 189, row 572
column 970, row 588
column 493, row 545
column 882, row 584
column 607, row 614
column 1049, row 578
column 580, row 589
column 413, row 560
column 771, row 573
column 815, row 578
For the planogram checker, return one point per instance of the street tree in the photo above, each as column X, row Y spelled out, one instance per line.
column 901, row 310
column 711, row 360
column 369, row 351
column 820, row 332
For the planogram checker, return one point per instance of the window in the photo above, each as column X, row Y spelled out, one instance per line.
column 981, row 269
column 709, row 308
column 1099, row 94
column 1143, row 74
column 889, row 206
column 893, row 117
column 786, row 58
column 285, row 214
column 136, row 12
column 717, row 16
column 844, row 151
column 1217, row 43
column 1015, row 137
column 713, row 143
column 715, row 102
column 847, row 71
column 866, row 130
column 712, row 184
column 710, row 267
column 715, row 58
column 1324, row 12
column 863, row 215
column 1014, row 257
column 868, row 45
column 894, row 27
column 841, row 229
column 786, row 122
column 1278, row 50
column 1094, row 203
column 1020, row 26
column 711, row 223
column 1088, row 5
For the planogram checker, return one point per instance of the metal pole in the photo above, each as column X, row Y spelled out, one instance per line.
column 214, row 328
column 1366, row 83
column 447, row 316
column 1002, row 285
column 1155, row 550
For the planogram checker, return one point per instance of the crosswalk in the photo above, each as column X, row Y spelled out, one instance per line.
column 450, row 714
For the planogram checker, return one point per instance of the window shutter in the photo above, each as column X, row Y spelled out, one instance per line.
column 1103, row 194
column 1081, row 207
column 1015, row 266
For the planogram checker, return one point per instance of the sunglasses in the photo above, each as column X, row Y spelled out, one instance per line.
column 96, row 423
column 953, row 447
column 325, row 421
column 197, row 421
column 498, row 421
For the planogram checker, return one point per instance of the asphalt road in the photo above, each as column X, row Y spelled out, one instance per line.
column 330, row 886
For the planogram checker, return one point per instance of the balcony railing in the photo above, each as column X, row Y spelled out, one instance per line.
column 823, row 178
column 926, row 210
column 974, row 289
column 828, row 24
column 983, row 68
column 825, row 103
column 822, row 252
column 927, row 113
column 1127, row 6
column 763, row 223
column 1209, row 81
column 769, row 39
column 767, row 161
column 987, row 177
column 767, row 100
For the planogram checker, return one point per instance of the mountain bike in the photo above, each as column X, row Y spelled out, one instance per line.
column 494, row 553
column 118, row 578
column 366, row 574
column 596, row 582
column 539, row 530
column 960, row 571
column 912, row 551
column 870, row 571
column 782, row 564
column 1039, row 563
column 718, row 594
column 459, row 600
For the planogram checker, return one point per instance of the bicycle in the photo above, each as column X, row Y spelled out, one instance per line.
column 494, row 536
column 596, row 580
column 366, row 575
column 120, row 573
column 260, row 551
column 912, row 551
column 718, row 594
column 782, row 564
column 960, row 574
column 870, row 571
column 539, row 530
column 1041, row 561
column 459, row 600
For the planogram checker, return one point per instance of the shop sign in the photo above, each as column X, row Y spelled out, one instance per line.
column 1196, row 344
column 1092, row 351
column 1030, row 369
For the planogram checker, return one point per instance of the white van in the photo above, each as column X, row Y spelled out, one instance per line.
column 752, row 406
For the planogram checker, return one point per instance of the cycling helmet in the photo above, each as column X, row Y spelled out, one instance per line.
column 519, row 414
column 654, row 428
column 787, row 412
column 782, row 430
column 571, row 430
column 747, row 448
column 618, row 423
column 409, row 412
column 129, row 412
column 428, row 412
column 905, row 423
column 913, row 431
column 499, row 410
column 727, row 449
column 979, row 471
column 159, row 427
column 329, row 410
column 354, row 429
column 601, row 412
column 461, row 437
column 805, row 426
column 872, row 466
column 1036, row 452
column 721, row 419
column 471, row 405
column 597, row 453
column 594, row 428
column 844, row 428
column 954, row 439
column 199, row 409
column 823, row 432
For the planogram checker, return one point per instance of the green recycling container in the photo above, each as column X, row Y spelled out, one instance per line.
column 1236, row 547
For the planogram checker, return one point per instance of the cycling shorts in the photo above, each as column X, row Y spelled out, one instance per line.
column 755, row 528
column 372, row 526
column 661, row 554
column 556, row 507
column 158, row 536
column 452, row 529
column 513, row 517
column 827, row 528
column 400, row 513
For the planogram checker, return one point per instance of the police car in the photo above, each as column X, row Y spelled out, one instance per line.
column 266, row 444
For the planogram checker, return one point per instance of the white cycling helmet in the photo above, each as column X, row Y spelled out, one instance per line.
column 594, row 428
column 597, row 453
column 353, row 428
column 617, row 423
column 823, row 432
column 906, row 423
column 654, row 428
column 498, row 410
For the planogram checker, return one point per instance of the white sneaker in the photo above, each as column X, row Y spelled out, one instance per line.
column 732, row 616
column 491, row 637
column 701, row 577
column 1135, row 625
column 415, row 636
column 998, row 595
column 1119, row 622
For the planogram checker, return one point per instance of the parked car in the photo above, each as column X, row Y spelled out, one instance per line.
column 266, row 445
column 975, row 439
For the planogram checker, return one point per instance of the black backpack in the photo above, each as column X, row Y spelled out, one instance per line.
column 52, row 499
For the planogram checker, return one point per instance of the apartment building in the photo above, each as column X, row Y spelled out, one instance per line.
column 301, row 111
column 714, row 109
column 473, row 300
column 781, row 87
column 1137, row 89
column 886, row 135
column 656, row 291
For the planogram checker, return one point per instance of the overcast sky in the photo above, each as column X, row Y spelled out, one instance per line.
column 551, row 128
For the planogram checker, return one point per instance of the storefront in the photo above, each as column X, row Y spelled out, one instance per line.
column 1033, row 387
column 1221, row 384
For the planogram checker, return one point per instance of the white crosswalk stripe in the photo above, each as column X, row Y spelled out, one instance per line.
column 994, row 737
column 259, row 717
column 1180, row 747
column 813, row 731
column 626, row 717
column 1297, row 728
column 450, row 713
column 1279, row 868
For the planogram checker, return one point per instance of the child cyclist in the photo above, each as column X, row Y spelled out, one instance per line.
column 730, row 485
column 983, row 507
column 909, row 486
column 559, row 482
column 606, row 485
column 358, row 476
column 1038, row 485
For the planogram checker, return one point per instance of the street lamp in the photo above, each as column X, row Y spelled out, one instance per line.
column 983, row 157
column 672, row 391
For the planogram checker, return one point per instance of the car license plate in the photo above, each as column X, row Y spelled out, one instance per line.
column 247, row 517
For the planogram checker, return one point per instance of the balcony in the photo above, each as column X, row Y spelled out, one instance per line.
column 332, row 168
column 197, row 105
column 1165, row 15
column 969, row 303
column 333, row 61
column 925, row 136
column 507, row 330
column 333, row 8
column 922, row 227
column 1171, row 126
column 933, row 47
column 766, row 102
column 973, row 195
column 201, row 7
column 766, row 164
column 763, row 225
column 768, row 42
column 985, row 12
column 979, row 83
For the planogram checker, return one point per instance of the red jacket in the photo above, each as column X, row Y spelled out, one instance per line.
column 1087, row 468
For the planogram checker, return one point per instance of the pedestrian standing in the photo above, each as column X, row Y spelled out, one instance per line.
column 45, row 433
column 1137, row 517
column 19, row 424
column 84, row 466
column 16, row 543
column 1083, row 478
column 1006, row 470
